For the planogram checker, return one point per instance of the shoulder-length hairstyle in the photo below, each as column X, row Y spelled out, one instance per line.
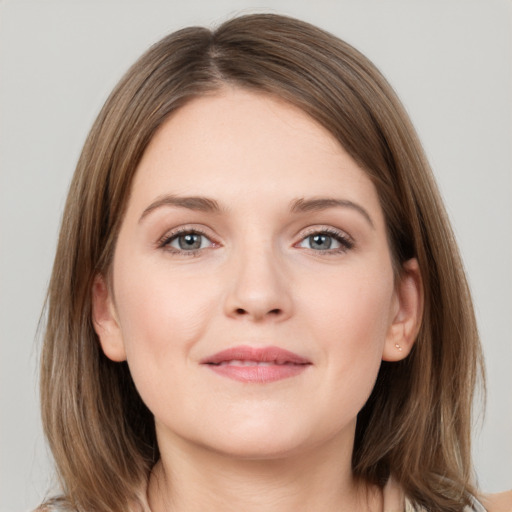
column 416, row 423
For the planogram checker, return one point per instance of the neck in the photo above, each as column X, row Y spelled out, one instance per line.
column 195, row 479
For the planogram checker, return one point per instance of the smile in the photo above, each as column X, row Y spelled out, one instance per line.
column 258, row 365
column 250, row 363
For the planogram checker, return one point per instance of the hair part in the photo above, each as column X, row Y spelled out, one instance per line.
column 416, row 423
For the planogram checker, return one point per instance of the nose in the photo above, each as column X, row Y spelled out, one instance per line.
column 259, row 288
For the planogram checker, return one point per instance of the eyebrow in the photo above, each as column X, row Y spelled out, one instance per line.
column 320, row 204
column 196, row 203
column 208, row 205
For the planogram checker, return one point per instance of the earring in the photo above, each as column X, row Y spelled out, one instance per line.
column 398, row 347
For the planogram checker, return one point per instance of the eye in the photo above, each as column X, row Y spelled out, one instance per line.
column 326, row 241
column 186, row 241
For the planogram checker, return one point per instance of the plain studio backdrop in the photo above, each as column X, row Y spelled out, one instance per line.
column 450, row 62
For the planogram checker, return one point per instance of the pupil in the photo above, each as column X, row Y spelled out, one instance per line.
column 190, row 241
column 322, row 242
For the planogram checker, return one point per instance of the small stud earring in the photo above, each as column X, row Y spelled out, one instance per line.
column 398, row 347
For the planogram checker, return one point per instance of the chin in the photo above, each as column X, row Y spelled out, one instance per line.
column 258, row 448
column 269, row 440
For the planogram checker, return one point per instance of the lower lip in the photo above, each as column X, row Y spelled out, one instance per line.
column 259, row 374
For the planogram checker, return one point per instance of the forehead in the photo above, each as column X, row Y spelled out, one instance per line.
column 237, row 143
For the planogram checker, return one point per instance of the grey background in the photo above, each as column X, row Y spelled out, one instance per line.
column 449, row 60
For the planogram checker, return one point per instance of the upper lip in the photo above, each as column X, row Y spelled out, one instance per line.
column 258, row 354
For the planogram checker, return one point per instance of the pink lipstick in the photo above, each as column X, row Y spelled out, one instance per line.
column 250, row 364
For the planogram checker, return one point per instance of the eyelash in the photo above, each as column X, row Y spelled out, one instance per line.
column 165, row 241
column 346, row 242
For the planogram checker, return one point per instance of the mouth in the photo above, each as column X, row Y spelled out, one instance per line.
column 259, row 365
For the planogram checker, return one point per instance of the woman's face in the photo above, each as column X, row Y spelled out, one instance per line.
column 252, row 294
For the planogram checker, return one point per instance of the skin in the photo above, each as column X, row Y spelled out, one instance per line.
column 258, row 279
column 501, row 502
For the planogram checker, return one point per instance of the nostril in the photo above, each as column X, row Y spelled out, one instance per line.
column 273, row 312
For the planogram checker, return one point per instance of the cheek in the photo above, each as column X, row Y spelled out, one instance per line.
column 351, row 303
column 351, row 318
column 162, row 315
column 161, row 311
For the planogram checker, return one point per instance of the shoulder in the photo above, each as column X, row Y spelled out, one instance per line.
column 501, row 502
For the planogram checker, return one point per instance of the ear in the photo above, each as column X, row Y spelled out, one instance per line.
column 105, row 322
column 407, row 313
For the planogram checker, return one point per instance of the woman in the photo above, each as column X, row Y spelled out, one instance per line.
column 257, row 301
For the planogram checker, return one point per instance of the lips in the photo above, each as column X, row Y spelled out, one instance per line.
column 250, row 364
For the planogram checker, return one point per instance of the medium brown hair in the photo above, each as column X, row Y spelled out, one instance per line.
column 416, row 423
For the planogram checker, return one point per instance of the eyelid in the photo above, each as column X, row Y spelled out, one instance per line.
column 343, row 237
column 346, row 241
column 163, row 241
